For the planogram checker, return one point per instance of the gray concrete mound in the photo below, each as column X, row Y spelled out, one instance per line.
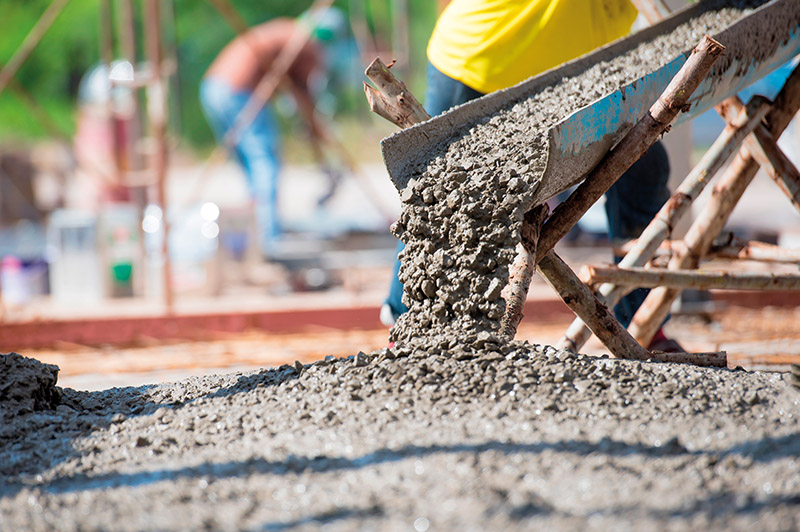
column 26, row 385
column 519, row 437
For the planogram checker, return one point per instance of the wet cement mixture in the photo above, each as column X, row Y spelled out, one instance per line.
column 463, row 209
column 451, row 429
column 517, row 438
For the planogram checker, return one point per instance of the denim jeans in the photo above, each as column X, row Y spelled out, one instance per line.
column 630, row 203
column 257, row 150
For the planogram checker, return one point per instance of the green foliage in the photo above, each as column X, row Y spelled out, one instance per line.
column 71, row 47
column 52, row 72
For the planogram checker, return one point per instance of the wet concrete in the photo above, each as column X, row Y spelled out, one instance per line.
column 463, row 209
column 26, row 385
column 517, row 438
column 453, row 429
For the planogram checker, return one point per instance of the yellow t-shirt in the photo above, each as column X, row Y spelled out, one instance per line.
column 492, row 44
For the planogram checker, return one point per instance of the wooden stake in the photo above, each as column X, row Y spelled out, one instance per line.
column 660, row 227
column 652, row 277
column 635, row 143
column 714, row 216
column 733, row 250
column 765, row 150
column 583, row 302
column 521, row 271
column 714, row 359
column 392, row 100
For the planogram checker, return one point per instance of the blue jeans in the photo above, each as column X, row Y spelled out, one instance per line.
column 630, row 204
column 257, row 150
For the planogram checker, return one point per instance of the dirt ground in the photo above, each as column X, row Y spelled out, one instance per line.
column 516, row 437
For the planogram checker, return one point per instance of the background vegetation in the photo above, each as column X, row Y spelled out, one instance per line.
column 52, row 73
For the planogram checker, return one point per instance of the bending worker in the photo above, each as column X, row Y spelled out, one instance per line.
column 225, row 90
column 480, row 46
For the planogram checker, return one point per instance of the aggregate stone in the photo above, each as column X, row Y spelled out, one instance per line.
column 451, row 428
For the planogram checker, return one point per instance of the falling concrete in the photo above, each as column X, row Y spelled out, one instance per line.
column 463, row 204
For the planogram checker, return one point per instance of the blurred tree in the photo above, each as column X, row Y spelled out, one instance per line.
column 70, row 48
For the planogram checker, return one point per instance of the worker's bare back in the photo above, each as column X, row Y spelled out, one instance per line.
column 243, row 62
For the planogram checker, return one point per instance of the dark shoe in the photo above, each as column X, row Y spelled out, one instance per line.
column 663, row 344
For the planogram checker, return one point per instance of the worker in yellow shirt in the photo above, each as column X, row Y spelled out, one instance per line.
column 480, row 46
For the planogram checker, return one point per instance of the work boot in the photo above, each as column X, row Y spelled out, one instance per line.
column 661, row 343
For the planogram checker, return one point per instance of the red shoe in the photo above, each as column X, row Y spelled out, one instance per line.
column 663, row 344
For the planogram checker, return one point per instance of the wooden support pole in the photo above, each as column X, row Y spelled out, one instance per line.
column 734, row 250
column 583, row 302
column 660, row 227
column 635, row 143
column 391, row 99
column 714, row 359
column 700, row 280
column 519, row 280
column 765, row 150
column 712, row 219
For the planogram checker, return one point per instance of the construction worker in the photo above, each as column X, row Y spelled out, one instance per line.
column 229, row 83
column 480, row 46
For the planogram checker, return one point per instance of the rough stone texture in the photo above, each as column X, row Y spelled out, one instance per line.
column 26, row 385
column 523, row 437
column 465, row 207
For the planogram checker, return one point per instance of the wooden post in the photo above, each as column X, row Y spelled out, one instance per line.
column 583, row 302
column 521, row 271
column 712, row 219
column 635, row 143
column 765, row 150
column 676, row 207
column 733, row 249
column 715, row 359
column 392, row 100
column 652, row 277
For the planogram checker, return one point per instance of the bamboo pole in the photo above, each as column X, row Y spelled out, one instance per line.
column 652, row 277
column 635, row 143
column 580, row 299
column 391, row 99
column 714, row 216
column 30, row 42
column 678, row 205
